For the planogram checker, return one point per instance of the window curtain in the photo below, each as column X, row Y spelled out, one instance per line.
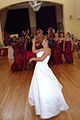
column 3, row 18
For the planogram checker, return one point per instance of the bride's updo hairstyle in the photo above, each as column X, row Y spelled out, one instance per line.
column 51, row 42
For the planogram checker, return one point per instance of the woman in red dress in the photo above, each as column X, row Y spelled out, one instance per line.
column 19, row 59
column 68, row 49
column 28, row 52
column 61, row 41
column 57, row 55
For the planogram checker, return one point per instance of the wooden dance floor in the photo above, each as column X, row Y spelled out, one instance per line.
column 14, row 88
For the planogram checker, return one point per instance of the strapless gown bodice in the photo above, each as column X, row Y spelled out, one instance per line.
column 45, row 61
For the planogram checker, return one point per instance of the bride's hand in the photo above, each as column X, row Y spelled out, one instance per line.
column 31, row 60
column 33, row 40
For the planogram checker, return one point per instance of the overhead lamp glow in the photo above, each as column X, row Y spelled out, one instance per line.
column 35, row 4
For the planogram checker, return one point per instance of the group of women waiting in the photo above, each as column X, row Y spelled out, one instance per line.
column 23, row 48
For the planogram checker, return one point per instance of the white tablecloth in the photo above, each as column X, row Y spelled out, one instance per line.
column 10, row 53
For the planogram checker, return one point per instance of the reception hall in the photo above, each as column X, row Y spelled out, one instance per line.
column 33, row 34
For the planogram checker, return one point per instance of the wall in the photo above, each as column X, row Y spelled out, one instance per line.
column 72, row 25
column 59, row 17
column 78, row 9
column 0, row 31
column 32, row 16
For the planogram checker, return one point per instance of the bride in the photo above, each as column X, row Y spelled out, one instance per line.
column 45, row 91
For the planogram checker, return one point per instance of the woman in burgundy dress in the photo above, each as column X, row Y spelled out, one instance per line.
column 19, row 59
column 29, row 54
column 57, row 55
column 61, row 41
column 51, row 35
column 68, row 49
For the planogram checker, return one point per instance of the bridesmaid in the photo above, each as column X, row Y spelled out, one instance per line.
column 19, row 60
column 68, row 49
column 57, row 56
column 61, row 41
column 28, row 52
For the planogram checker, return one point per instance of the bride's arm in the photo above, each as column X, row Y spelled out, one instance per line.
column 40, row 58
column 33, row 46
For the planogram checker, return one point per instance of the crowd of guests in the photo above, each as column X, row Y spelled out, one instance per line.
column 23, row 48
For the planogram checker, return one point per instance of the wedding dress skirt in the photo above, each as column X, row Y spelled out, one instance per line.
column 45, row 91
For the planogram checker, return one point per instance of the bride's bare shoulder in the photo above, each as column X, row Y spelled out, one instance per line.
column 48, row 51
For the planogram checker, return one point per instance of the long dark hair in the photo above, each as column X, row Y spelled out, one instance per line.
column 51, row 42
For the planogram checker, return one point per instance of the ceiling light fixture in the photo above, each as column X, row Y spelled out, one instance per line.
column 35, row 4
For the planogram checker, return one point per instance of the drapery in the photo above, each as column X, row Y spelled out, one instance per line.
column 3, row 18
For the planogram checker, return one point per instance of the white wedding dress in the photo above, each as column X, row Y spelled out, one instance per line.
column 45, row 91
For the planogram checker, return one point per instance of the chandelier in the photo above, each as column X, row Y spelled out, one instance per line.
column 35, row 4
